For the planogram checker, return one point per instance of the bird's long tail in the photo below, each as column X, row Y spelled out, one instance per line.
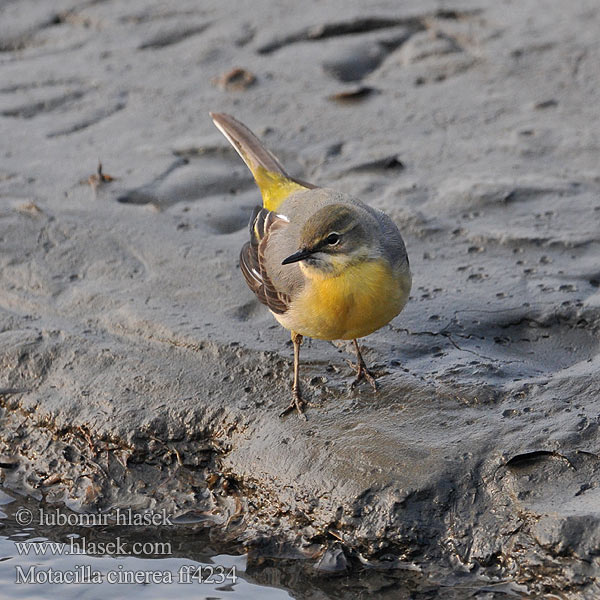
column 274, row 183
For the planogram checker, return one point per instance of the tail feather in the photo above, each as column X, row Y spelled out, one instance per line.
column 274, row 183
column 247, row 145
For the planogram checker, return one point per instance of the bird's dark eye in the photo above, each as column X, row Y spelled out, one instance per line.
column 332, row 239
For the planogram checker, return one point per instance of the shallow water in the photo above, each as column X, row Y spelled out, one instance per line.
column 49, row 552
column 34, row 561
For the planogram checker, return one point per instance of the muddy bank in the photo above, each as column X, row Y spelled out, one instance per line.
column 138, row 370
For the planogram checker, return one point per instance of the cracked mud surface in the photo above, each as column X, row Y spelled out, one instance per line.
column 138, row 370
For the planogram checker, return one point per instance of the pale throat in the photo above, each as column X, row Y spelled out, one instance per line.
column 331, row 266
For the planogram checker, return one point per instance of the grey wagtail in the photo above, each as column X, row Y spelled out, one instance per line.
column 325, row 264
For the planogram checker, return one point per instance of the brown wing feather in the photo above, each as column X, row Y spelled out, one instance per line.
column 252, row 260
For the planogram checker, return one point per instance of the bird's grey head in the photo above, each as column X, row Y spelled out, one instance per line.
column 333, row 238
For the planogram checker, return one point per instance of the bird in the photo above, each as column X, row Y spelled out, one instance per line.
column 327, row 265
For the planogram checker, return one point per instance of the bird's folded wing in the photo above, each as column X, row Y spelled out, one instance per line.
column 252, row 260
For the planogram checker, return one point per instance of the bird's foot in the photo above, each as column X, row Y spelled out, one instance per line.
column 362, row 372
column 297, row 403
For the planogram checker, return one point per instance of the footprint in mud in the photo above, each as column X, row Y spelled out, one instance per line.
column 386, row 164
column 353, row 60
column 245, row 312
column 559, row 493
column 92, row 116
column 42, row 102
column 371, row 41
column 185, row 181
column 229, row 220
column 46, row 31
column 361, row 25
column 71, row 100
column 17, row 35
column 426, row 45
column 169, row 37
column 430, row 56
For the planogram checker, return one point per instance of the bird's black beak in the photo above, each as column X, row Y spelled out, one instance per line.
column 297, row 256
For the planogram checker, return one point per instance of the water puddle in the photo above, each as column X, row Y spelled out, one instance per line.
column 48, row 552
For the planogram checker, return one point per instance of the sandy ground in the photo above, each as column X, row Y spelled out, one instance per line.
column 144, row 364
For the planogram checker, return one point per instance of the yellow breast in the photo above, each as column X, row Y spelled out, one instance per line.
column 355, row 303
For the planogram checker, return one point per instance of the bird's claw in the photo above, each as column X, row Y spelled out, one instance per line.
column 297, row 403
column 362, row 372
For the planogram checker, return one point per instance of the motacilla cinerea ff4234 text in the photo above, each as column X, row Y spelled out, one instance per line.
column 326, row 265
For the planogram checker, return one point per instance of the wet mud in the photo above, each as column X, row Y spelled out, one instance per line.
column 137, row 370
